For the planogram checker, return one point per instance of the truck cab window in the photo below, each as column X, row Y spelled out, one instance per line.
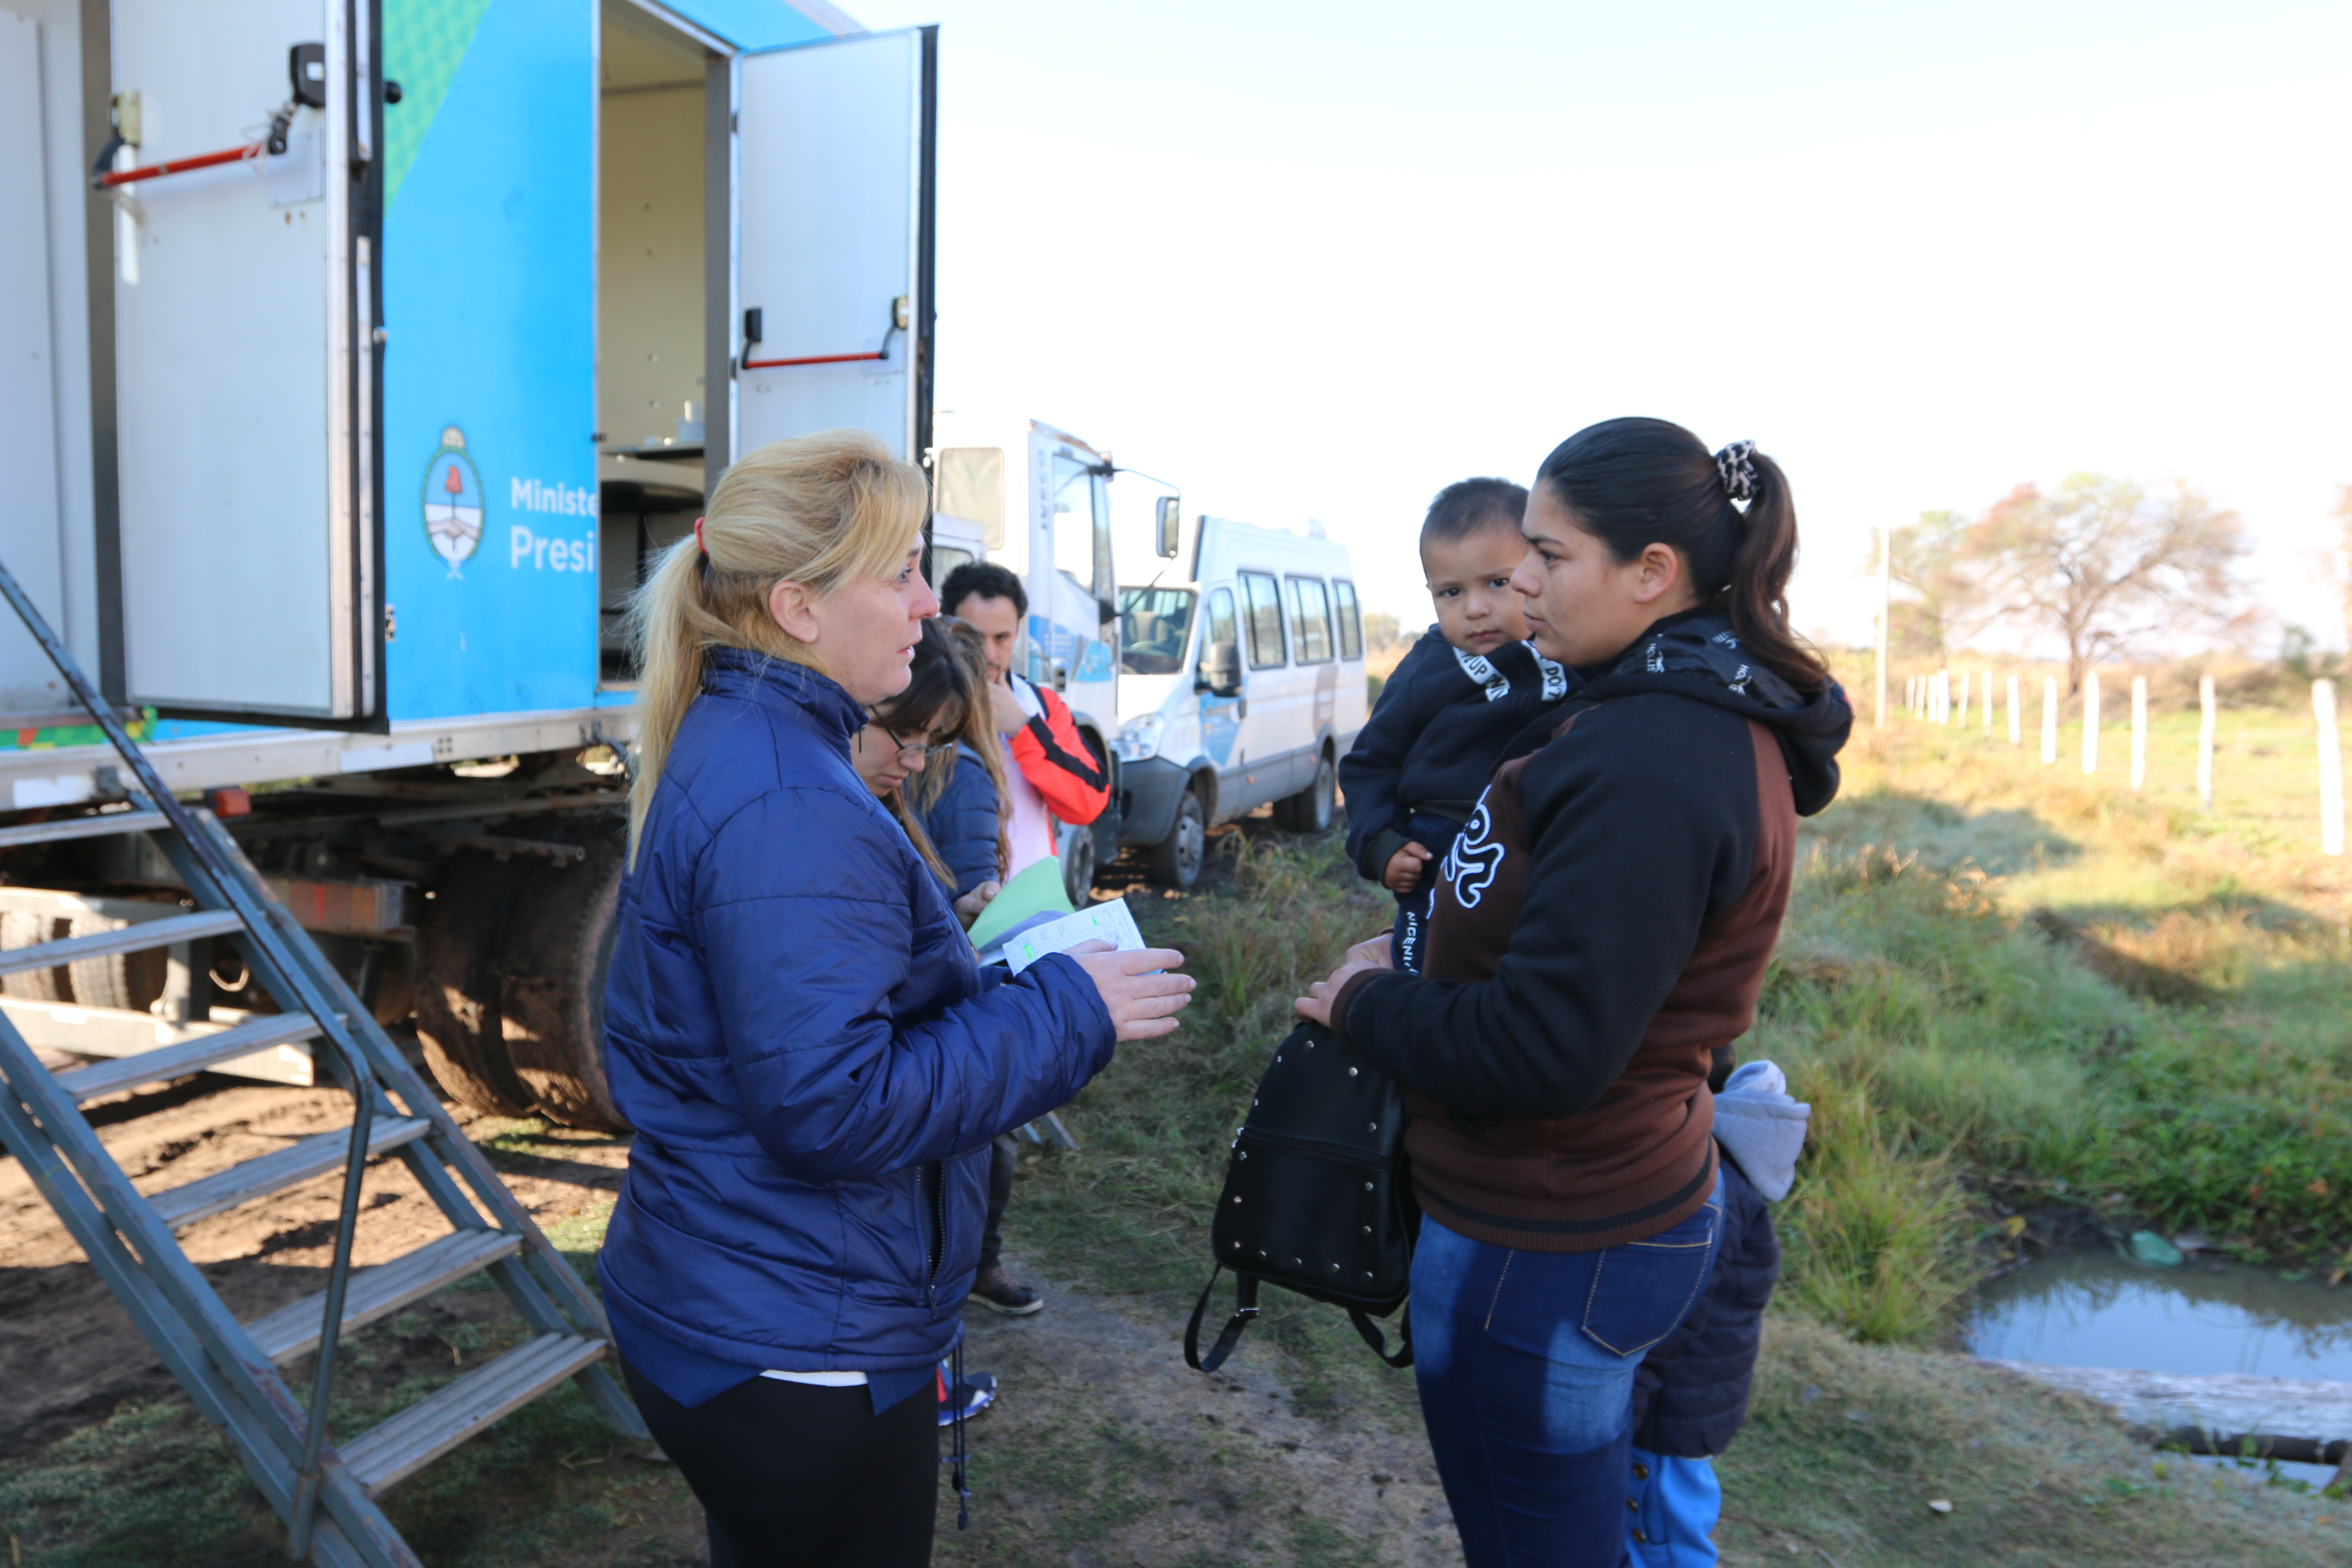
column 1310, row 615
column 946, row 558
column 1264, row 602
column 1154, row 625
column 1081, row 517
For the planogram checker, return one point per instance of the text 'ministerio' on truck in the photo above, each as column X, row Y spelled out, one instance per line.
column 356, row 356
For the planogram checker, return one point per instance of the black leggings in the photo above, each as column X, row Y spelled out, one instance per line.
column 793, row 1475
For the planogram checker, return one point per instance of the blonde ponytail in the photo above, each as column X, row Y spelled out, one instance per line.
column 820, row 510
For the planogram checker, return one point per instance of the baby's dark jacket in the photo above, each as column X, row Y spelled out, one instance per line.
column 1435, row 737
column 1690, row 1393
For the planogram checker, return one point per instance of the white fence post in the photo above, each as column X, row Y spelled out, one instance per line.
column 2205, row 742
column 2090, row 722
column 2016, row 715
column 2331, row 769
column 2049, row 719
column 2139, row 732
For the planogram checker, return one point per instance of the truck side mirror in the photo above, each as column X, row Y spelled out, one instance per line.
column 1221, row 669
column 1168, row 513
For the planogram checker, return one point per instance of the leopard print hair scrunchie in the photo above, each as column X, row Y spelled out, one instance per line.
column 1733, row 465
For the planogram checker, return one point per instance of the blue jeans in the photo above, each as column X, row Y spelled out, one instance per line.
column 1676, row 1504
column 1525, row 1362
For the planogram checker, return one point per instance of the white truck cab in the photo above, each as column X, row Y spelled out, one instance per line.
column 1035, row 500
column 1240, row 685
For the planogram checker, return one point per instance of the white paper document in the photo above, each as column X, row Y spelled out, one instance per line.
column 1109, row 921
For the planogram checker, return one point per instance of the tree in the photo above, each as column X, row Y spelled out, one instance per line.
column 2333, row 561
column 1930, row 561
column 2106, row 565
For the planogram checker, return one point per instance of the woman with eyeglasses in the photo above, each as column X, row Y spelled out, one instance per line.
column 906, row 737
column 930, row 754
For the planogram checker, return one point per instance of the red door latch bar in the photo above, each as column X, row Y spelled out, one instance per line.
column 811, row 359
column 108, row 182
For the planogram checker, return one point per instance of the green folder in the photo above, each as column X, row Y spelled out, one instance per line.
column 1037, row 890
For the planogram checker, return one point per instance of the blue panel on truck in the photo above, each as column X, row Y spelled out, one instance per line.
column 752, row 24
column 490, row 298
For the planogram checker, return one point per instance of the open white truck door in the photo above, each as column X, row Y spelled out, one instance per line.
column 245, row 303
column 834, row 149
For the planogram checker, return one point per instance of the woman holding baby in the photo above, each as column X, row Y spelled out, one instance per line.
column 1596, row 938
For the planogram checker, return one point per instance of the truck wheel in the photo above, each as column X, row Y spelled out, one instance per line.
column 1309, row 811
column 126, row 979
column 460, row 945
column 557, row 954
column 1175, row 860
column 29, row 927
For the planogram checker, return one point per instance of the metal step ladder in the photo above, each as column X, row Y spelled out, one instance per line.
column 326, row 1492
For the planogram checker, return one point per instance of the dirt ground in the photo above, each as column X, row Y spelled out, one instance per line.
column 1104, row 1449
column 69, row 1353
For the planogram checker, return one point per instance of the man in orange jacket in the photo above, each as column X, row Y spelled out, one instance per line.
column 1053, row 774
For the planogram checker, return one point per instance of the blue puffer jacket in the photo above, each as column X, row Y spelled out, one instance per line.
column 813, row 1060
column 961, row 823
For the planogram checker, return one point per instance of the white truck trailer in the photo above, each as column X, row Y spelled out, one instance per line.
column 355, row 357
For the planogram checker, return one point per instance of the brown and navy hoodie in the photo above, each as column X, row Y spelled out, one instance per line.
column 1600, row 933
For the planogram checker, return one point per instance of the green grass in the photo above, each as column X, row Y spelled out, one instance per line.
column 2184, row 1058
column 152, row 1484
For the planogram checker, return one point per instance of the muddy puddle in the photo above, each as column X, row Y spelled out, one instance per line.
column 2097, row 1309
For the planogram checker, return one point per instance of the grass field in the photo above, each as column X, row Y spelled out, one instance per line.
column 2008, row 990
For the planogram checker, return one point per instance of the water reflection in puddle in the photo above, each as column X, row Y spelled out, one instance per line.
column 2090, row 1308
column 2095, row 1309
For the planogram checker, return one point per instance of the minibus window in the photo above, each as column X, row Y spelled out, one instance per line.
column 1153, row 626
column 1351, row 625
column 1310, row 613
column 1263, row 603
column 1222, row 624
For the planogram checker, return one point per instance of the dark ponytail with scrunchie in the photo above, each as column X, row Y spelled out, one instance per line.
column 1635, row 482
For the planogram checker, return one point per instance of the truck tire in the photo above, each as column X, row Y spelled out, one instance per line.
column 460, row 945
column 126, row 979
column 1310, row 810
column 1175, row 860
column 28, row 927
column 558, row 951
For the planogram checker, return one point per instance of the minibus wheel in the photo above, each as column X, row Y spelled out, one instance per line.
column 1175, row 860
column 1310, row 810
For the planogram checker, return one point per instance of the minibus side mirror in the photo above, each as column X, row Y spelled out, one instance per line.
column 1169, row 514
column 1221, row 669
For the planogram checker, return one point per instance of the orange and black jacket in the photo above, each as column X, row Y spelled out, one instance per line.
column 1057, row 762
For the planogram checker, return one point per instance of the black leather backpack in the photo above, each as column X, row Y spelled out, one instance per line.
column 1315, row 1197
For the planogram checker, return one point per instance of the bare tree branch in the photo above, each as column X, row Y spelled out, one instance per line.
column 2105, row 566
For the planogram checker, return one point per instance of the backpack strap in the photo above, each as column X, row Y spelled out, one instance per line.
column 1245, row 1305
column 1372, row 1336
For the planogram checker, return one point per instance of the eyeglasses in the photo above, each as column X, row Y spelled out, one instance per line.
column 914, row 750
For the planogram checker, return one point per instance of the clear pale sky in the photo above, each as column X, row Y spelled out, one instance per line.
column 1314, row 259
